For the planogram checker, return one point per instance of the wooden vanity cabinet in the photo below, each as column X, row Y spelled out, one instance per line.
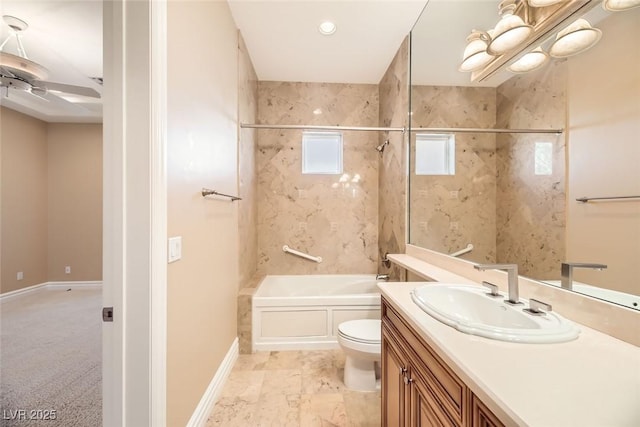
column 418, row 389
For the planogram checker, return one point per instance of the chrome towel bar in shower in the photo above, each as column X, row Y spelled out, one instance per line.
column 208, row 192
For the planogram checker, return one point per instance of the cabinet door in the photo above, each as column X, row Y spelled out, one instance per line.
column 425, row 409
column 481, row 416
column 394, row 389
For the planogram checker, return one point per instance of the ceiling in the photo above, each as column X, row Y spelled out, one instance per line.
column 284, row 43
column 66, row 38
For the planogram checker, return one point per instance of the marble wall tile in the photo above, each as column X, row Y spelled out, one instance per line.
column 392, row 178
column 530, row 218
column 317, row 214
column 247, row 187
column 450, row 211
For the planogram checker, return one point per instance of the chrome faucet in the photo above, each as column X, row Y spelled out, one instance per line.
column 566, row 271
column 384, row 277
column 512, row 270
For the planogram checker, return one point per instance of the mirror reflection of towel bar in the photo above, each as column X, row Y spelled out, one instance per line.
column 587, row 199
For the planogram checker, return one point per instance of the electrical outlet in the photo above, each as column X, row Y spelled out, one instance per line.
column 334, row 226
column 423, row 225
column 20, row 275
column 67, row 269
column 453, row 226
column 453, row 194
column 302, row 226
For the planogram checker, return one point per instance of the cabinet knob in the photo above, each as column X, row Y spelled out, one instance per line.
column 403, row 370
column 408, row 380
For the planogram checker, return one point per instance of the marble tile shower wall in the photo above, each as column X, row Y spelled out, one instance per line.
column 248, row 208
column 392, row 181
column 317, row 214
column 531, row 215
column 449, row 212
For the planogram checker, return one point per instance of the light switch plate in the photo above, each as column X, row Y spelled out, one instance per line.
column 175, row 249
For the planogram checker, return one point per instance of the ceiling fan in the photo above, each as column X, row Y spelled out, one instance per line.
column 20, row 73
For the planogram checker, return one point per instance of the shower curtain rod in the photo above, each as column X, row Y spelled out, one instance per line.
column 394, row 129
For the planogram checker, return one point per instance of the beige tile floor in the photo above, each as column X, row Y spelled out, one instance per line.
column 293, row 388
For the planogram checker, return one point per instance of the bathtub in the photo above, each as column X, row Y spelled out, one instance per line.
column 303, row 312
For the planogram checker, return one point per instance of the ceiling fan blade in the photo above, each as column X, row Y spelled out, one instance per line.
column 75, row 90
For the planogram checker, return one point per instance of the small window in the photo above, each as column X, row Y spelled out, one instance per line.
column 321, row 152
column 543, row 163
column 435, row 154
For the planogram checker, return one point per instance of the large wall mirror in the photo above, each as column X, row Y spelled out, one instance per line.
column 512, row 196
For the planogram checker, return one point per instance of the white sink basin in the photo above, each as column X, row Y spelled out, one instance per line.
column 469, row 309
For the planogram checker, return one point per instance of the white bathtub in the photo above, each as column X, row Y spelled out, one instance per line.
column 303, row 312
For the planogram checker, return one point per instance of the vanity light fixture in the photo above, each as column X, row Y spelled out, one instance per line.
column 475, row 55
column 327, row 28
column 574, row 39
column 510, row 31
column 530, row 61
column 619, row 5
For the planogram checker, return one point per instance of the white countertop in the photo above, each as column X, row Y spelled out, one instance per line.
column 593, row 381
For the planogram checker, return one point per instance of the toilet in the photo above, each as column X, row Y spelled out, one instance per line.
column 361, row 343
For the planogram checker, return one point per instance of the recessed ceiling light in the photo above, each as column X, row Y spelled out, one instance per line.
column 327, row 28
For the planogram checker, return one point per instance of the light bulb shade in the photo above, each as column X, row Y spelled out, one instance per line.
column 574, row 39
column 475, row 55
column 510, row 31
column 529, row 62
column 619, row 5
column 543, row 3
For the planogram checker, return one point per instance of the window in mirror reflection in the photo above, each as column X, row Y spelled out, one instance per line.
column 435, row 154
column 543, row 158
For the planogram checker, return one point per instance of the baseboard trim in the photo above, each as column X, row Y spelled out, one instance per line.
column 50, row 285
column 208, row 400
column 75, row 285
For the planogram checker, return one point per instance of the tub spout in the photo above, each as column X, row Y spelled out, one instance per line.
column 384, row 277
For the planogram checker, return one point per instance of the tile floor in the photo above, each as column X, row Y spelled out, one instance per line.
column 293, row 388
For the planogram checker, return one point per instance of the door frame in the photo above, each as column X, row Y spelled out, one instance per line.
column 135, row 212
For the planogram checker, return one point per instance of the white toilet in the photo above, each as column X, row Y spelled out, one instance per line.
column 360, row 340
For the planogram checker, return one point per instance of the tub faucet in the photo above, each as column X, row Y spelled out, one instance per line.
column 512, row 270
column 566, row 272
column 384, row 277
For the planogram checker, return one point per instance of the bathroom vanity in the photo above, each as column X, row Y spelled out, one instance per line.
column 419, row 389
column 434, row 375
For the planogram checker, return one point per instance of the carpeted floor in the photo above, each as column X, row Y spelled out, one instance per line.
column 51, row 359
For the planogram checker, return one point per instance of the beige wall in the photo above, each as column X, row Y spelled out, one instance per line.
column 317, row 214
column 201, row 152
column 530, row 208
column 24, row 200
column 604, row 153
column 51, row 201
column 450, row 211
column 75, row 201
column 392, row 178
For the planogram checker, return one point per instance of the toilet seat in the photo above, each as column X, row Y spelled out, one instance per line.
column 365, row 331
